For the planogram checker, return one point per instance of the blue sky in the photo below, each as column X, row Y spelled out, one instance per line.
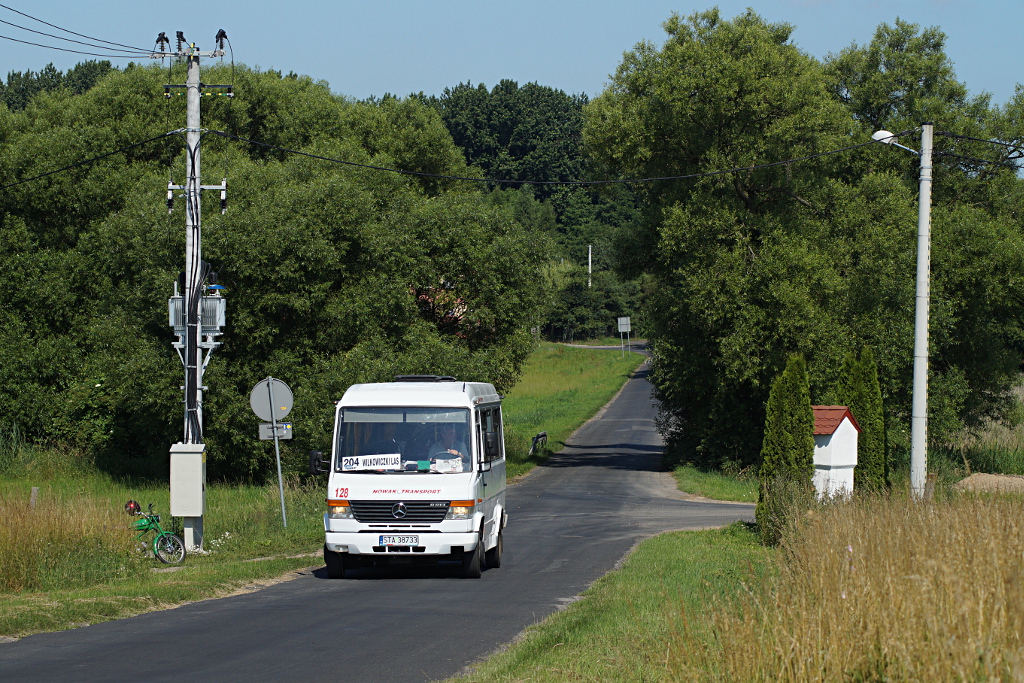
column 403, row 46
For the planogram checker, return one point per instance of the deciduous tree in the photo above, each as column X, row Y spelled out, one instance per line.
column 766, row 255
column 334, row 273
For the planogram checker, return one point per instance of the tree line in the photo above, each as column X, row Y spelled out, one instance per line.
column 334, row 274
column 816, row 256
column 339, row 274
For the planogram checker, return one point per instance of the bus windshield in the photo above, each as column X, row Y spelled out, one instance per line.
column 403, row 441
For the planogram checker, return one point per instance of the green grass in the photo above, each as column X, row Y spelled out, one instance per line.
column 560, row 389
column 717, row 485
column 70, row 560
column 199, row 578
column 605, row 341
column 631, row 621
column 994, row 449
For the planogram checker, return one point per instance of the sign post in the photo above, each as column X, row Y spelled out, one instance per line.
column 271, row 399
column 624, row 326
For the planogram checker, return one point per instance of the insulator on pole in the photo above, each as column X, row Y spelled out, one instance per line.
column 170, row 197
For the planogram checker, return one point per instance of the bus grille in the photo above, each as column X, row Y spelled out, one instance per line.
column 422, row 511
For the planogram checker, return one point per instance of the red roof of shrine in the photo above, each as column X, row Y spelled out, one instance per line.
column 828, row 418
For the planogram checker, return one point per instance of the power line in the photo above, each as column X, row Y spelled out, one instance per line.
column 1017, row 149
column 975, row 159
column 80, row 35
column 64, row 49
column 541, row 182
column 968, row 137
column 70, row 40
column 88, row 161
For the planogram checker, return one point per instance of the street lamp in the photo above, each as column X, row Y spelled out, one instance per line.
column 919, row 409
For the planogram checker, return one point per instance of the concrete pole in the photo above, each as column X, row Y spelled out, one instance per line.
column 919, row 410
column 193, row 251
column 590, row 261
column 193, row 526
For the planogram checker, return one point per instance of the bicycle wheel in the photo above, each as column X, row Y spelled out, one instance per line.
column 168, row 548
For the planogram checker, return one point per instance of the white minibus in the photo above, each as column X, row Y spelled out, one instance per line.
column 416, row 474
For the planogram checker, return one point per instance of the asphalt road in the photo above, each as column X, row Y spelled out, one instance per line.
column 570, row 522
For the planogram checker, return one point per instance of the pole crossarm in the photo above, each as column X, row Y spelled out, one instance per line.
column 223, row 187
column 203, row 86
column 183, row 54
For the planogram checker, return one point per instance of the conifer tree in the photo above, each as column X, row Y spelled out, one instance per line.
column 846, row 385
column 858, row 388
column 787, row 451
column 872, row 466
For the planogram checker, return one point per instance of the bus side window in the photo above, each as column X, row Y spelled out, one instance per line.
column 479, row 431
column 496, row 422
column 490, row 422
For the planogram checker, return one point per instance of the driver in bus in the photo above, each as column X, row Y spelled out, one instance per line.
column 448, row 447
column 384, row 441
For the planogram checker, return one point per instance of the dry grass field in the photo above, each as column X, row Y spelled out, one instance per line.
column 877, row 589
column 61, row 541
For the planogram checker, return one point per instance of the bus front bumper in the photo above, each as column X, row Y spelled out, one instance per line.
column 391, row 543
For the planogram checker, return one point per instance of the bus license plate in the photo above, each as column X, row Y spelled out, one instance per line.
column 399, row 540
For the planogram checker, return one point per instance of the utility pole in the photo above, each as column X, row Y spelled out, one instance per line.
column 590, row 264
column 197, row 319
column 919, row 407
column 919, row 477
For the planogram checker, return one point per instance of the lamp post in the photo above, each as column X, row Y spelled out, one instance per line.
column 919, row 409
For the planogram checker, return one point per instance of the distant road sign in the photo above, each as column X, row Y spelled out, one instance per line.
column 284, row 430
column 624, row 325
column 259, row 399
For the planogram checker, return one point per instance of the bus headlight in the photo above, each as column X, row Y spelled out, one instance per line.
column 338, row 509
column 460, row 509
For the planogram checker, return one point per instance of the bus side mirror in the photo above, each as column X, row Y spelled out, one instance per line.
column 491, row 445
column 317, row 464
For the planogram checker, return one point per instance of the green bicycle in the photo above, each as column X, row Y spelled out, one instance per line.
column 167, row 547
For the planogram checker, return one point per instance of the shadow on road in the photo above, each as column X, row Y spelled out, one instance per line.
column 622, row 446
column 444, row 569
column 631, row 457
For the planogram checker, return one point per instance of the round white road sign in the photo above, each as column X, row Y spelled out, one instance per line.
column 260, row 399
